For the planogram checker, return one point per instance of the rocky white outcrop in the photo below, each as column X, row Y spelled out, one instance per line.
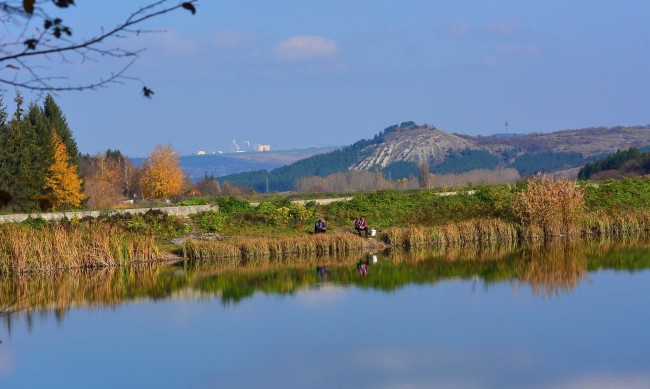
column 414, row 144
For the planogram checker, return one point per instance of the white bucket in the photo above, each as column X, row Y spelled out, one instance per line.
column 373, row 232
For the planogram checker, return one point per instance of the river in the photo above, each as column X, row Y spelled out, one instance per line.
column 559, row 316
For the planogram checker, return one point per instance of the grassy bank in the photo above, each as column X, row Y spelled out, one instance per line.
column 279, row 230
column 56, row 247
column 273, row 249
column 548, row 269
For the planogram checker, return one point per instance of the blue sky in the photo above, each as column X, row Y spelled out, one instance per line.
column 296, row 73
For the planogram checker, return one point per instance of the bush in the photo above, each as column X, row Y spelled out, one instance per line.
column 211, row 221
column 194, row 201
column 549, row 207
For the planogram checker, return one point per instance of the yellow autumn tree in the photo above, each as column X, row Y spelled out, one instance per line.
column 162, row 177
column 61, row 180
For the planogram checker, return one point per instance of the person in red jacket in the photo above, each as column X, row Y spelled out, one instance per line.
column 360, row 225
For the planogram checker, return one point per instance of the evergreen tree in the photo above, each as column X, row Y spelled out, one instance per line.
column 55, row 120
column 5, row 196
column 20, row 161
column 62, row 181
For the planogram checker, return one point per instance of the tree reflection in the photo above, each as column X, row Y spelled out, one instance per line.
column 553, row 268
column 549, row 270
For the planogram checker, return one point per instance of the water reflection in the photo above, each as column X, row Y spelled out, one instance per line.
column 548, row 270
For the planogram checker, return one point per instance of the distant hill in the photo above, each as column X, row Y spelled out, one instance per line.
column 399, row 149
column 587, row 141
column 197, row 166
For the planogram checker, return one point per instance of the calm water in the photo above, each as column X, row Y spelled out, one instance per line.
column 558, row 317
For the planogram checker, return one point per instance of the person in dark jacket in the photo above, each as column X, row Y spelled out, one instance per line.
column 320, row 227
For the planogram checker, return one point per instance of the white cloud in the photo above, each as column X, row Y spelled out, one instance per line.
column 506, row 27
column 168, row 42
column 304, row 48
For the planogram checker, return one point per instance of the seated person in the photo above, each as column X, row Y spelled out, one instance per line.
column 320, row 226
column 361, row 225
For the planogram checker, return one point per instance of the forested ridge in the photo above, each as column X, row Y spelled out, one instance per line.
column 528, row 154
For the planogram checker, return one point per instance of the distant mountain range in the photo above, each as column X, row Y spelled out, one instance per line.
column 217, row 165
column 398, row 150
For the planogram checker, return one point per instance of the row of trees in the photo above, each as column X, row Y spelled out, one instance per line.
column 632, row 159
column 364, row 180
column 41, row 167
column 39, row 159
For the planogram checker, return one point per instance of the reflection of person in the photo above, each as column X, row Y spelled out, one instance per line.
column 322, row 271
column 361, row 225
column 362, row 267
column 320, row 226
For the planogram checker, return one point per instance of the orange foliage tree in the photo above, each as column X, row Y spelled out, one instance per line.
column 103, row 184
column 162, row 177
column 61, row 180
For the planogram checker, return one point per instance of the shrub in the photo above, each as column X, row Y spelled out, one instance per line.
column 211, row 221
column 549, row 207
column 194, row 201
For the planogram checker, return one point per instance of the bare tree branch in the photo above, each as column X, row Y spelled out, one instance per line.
column 21, row 55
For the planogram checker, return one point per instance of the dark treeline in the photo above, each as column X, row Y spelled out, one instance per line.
column 27, row 152
column 400, row 170
column 283, row 178
column 529, row 164
column 631, row 162
column 464, row 161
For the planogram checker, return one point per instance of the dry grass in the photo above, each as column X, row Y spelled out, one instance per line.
column 57, row 247
column 550, row 207
column 264, row 249
column 603, row 224
column 478, row 231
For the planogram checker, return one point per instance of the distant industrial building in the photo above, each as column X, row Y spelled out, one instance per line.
column 262, row 147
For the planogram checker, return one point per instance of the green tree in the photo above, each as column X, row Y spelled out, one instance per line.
column 21, row 172
column 55, row 120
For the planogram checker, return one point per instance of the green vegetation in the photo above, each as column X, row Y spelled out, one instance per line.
column 322, row 165
column 631, row 161
column 548, row 270
column 618, row 196
column 27, row 153
column 400, row 169
column 542, row 208
column 282, row 178
column 529, row 164
column 464, row 161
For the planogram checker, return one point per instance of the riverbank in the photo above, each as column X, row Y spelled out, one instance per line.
column 236, row 232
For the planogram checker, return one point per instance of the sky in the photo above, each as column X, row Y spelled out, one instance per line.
column 300, row 73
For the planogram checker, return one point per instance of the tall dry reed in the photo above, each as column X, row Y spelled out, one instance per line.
column 57, row 247
column 262, row 249
column 619, row 225
column 478, row 231
column 550, row 207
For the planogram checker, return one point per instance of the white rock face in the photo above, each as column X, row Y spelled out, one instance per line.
column 414, row 144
